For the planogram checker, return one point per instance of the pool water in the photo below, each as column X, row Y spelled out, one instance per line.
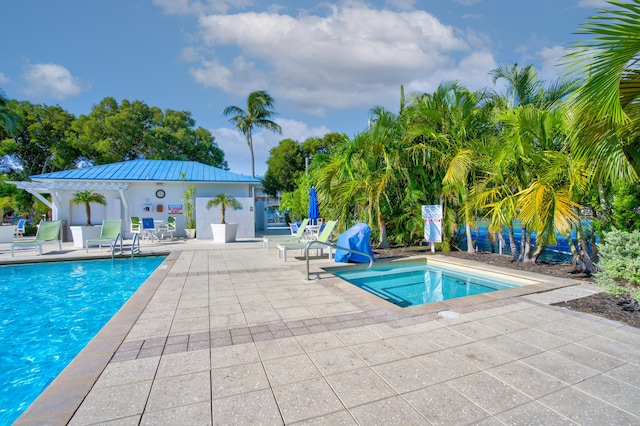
column 49, row 312
column 416, row 283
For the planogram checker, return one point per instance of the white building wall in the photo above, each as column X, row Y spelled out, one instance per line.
column 244, row 217
column 140, row 200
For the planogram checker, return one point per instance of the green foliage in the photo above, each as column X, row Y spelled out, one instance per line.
column 285, row 164
column 86, row 198
column 225, row 201
column 619, row 259
column 626, row 207
column 187, row 199
column 258, row 113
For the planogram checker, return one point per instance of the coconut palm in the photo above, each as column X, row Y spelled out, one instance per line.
column 86, row 198
column 608, row 102
column 224, row 200
column 257, row 114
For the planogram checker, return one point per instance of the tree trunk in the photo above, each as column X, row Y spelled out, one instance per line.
column 512, row 243
column 87, row 209
column 470, row 248
column 384, row 243
column 525, row 246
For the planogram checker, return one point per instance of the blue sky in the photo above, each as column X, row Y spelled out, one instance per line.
column 325, row 62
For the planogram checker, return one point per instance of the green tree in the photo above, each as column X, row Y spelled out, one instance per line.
column 86, row 198
column 8, row 119
column 257, row 114
column 175, row 138
column 225, row 201
column 608, row 102
column 284, row 165
column 39, row 143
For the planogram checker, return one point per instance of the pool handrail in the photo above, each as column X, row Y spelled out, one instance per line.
column 331, row 245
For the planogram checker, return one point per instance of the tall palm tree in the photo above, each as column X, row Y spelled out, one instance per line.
column 86, row 198
column 257, row 114
column 608, row 102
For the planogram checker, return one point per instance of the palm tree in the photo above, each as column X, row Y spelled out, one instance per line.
column 257, row 114
column 608, row 101
column 86, row 198
column 224, row 200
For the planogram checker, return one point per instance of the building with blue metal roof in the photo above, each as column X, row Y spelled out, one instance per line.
column 147, row 188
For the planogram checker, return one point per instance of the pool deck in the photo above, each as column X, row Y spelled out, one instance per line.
column 229, row 334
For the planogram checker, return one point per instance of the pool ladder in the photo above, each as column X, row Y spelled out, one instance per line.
column 134, row 240
column 330, row 245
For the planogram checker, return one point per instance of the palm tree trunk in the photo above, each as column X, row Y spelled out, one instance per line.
column 470, row 248
column 384, row 242
column 512, row 242
column 525, row 245
column 87, row 209
column 250, row 141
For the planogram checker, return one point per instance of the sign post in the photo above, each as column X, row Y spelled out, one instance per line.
column 432, row 216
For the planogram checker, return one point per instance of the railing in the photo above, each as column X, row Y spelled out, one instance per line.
column 306, row 254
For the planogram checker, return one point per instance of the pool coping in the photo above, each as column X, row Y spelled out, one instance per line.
column 62, row 397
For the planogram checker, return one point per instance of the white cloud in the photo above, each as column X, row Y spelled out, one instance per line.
column 236, row 149
column 355, row 56
column 51, row 81
column 4, row 79
column 552, row 65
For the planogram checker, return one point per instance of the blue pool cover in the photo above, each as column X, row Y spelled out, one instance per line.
column 356, row 238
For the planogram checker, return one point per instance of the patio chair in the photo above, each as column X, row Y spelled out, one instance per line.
column 284, row 238
column 169, row 227
column 323, row 238
column 134, row 225
column 109, row 234
column 48, row 232
column 148, row 229
column 19, row 232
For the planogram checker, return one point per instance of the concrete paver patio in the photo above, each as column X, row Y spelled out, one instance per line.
column 229, row 334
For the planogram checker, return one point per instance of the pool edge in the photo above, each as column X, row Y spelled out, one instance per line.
column 59, row 401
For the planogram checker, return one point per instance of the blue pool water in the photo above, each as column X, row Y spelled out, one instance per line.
column 416, row 283
column 49, row 312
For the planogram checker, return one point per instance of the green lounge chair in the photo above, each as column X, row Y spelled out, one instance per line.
column 109, row 234
column 48, row 232
column 297, row 237
column 323, row 238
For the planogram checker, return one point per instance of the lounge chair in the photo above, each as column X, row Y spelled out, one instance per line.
column 297, row 237
column 323, row 238
column 109, row 234
column 48, row 232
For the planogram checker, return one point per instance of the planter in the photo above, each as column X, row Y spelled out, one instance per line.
column 224, row 232
column 83, row 233
column 191, row 233
column 6, row 233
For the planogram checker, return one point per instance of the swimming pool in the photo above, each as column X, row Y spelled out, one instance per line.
column 417, row 282
column 49, row 312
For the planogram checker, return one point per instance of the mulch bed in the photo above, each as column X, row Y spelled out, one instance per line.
column 623, row 309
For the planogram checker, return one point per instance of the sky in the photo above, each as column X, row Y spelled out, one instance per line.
column 326, row 63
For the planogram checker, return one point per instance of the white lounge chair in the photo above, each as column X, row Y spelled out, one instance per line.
column 48, row 232
column 323, row 238
column 286, row 238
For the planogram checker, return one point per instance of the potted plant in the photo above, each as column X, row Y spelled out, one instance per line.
column 224, row 232
column 87, row 231
column 190, row 221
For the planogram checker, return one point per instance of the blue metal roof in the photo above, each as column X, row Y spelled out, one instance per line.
column 156, row 170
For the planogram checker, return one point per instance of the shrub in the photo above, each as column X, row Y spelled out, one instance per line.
column 620, row 262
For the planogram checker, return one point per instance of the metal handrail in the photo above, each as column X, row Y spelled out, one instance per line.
column 316, row 242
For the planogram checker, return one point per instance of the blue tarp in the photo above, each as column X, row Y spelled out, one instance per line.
column 356, row 238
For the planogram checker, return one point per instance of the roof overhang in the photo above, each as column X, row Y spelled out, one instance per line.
column 39, row 188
